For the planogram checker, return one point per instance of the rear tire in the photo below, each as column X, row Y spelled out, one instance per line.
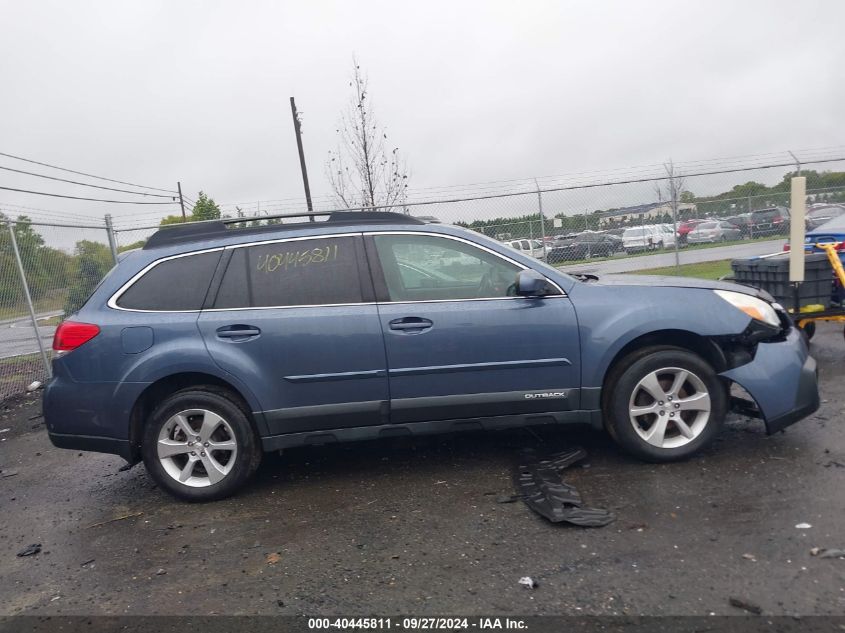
column 199, row 444
column 663, row 404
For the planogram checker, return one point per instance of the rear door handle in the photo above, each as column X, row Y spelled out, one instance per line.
column 410, row 325
column 240, row 332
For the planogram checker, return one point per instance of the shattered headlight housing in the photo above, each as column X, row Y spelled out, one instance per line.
column 757, row 309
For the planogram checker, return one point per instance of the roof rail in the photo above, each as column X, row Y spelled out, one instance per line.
column 197, row 231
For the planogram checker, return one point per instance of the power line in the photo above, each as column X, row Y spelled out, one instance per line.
column 85, row 184
column 503, row 187
column 80, row 173
column 57, row 195
column 18, row 207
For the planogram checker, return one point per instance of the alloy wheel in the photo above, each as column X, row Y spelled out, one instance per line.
column 197, row 448
column 669, row 407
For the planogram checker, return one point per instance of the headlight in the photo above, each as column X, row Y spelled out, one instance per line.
column 752, row 306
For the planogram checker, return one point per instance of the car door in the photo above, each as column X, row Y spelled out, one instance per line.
column 295, row 319
column 465, row 346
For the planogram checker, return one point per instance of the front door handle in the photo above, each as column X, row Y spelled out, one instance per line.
column 238, row 332
column 410, row 325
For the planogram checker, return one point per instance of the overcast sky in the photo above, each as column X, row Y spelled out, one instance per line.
column 155, row 92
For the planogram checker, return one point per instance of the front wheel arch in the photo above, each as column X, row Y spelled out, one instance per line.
column 684, row 339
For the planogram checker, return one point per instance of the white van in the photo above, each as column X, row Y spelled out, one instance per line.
column 648, row 237
column 534, row 248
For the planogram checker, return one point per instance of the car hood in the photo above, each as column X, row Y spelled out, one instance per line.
column 679, row 282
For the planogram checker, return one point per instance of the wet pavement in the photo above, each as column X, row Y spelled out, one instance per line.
column 419, row 527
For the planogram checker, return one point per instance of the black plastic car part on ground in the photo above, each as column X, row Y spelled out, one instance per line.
column 538, row 480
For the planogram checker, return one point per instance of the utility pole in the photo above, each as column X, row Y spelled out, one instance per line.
column 181, row 201
column 297, row 127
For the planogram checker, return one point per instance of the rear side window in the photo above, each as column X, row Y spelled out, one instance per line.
column 177, row 284
column 293, row 273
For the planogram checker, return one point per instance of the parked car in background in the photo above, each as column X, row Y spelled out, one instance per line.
column 771, row 221
column 831, row 231
column 648, row 237
column 214, row 344
column 685, row 227
column 819, row 215
column 534, row 248
column 742, row 222
column 714, row 231
column 584, row 246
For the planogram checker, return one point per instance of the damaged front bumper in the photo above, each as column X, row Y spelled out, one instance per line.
column 782, row 379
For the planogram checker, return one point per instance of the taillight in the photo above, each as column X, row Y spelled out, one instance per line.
column 70, row 335
column 786, row 247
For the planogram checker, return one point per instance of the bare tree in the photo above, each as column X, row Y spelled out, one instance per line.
column 362, row 171
column 671, row 190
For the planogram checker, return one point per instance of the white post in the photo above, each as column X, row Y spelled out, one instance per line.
column 797, row 212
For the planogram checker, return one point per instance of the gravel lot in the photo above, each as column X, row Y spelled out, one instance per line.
column 418, row 527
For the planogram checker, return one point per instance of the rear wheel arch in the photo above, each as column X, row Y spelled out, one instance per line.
column 166, row 386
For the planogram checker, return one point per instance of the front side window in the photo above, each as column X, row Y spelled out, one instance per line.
column 174, row 285
column 292, row 273
column 431, row 268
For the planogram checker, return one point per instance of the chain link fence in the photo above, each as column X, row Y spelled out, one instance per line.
column 47, row 270
column 641, row 221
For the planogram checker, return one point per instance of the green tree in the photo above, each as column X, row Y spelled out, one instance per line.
column 45, row 268
column 205, row 209
column 92, row 261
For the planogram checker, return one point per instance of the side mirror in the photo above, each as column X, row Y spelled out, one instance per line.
column 530, row 283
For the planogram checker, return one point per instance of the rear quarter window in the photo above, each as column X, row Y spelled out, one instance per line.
column 177, row 284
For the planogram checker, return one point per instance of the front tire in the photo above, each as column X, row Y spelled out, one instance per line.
column 199, row 445
column 664, row 404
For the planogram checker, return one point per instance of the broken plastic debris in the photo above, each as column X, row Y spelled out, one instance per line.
column 803, row 526
column 824, row 552
column 528, row 581
column 30, row 550
column 745, row 605
column 539, row 483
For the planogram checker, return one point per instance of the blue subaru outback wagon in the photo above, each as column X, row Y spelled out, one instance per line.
column 215, row 343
